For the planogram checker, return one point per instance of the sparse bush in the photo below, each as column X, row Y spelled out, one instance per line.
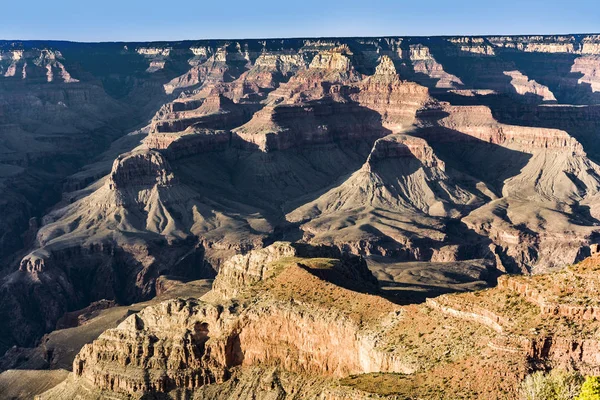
column 555, row 385
column 590, row 390
column 534, row 387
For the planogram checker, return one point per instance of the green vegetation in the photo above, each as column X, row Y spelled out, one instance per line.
column 555, row 385
column 590, row 390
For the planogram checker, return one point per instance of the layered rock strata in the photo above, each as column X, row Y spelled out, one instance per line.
column 187, row 344
column 289, row 317
column 430, row 149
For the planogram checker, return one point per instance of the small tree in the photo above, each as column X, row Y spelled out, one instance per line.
column 566, row 384
column 590, row 390
column 534, row 387
column 556, row 385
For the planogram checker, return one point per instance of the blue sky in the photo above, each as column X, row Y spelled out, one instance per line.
column 135, row 20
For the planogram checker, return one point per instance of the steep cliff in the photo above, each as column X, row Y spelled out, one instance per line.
column 188, row 344
column 290, row 328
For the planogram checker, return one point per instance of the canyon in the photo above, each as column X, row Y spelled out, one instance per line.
column 289, row 218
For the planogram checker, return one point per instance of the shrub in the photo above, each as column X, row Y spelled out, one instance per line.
column 590, row 390
column 555, row 385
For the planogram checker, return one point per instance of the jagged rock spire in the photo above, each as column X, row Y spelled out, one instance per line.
column 385, row 67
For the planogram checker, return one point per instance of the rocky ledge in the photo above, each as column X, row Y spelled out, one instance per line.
column 277, row 316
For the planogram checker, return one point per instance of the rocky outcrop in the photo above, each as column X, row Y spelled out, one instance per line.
column 225, row 64
column 395, row 100
column 243, row 271
column 33, row 64
column 470, row 47
column 172, row 345
column 335, row 60
column 590, row 44
column 424, row 63
column 477, row 123
column 214, row 112
column 191, row 142
column 589, row 66
column 525, row 86
column 186, row 344
column 142, row 168
column 385, row 67
column 567, row 352
column 328, row 69
column 569, row 44
column 401, row 180
column 267, row 72
column 404, row 146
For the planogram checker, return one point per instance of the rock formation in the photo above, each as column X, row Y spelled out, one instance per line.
column 424, row 63
column 524, row 86
column 451, row 159
column 187, row 344
column 589, row 66
column 401, row 181
column 275, row 312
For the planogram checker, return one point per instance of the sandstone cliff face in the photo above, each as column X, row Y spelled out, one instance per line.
column 400, row 146
column 281, row 335
column 590, row 44
column 395, row 100
column 589, row 66
column 542, row 44
column 587, row 44
column 471, row 47
column 156, row 56
column 424, row 63
column 558, row 161
column 525, row 86
column 187, row 344
column 160, row 349
column 328, row 68
column 344, row 105
column 34, row 64
column 477, row 123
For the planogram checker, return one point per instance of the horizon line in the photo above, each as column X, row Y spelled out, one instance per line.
column 299, row 38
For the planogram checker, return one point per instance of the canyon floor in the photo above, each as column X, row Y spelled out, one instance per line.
column 298, row 218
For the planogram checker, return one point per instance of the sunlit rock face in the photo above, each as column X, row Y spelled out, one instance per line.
column 192, row 343
column 589, row 66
